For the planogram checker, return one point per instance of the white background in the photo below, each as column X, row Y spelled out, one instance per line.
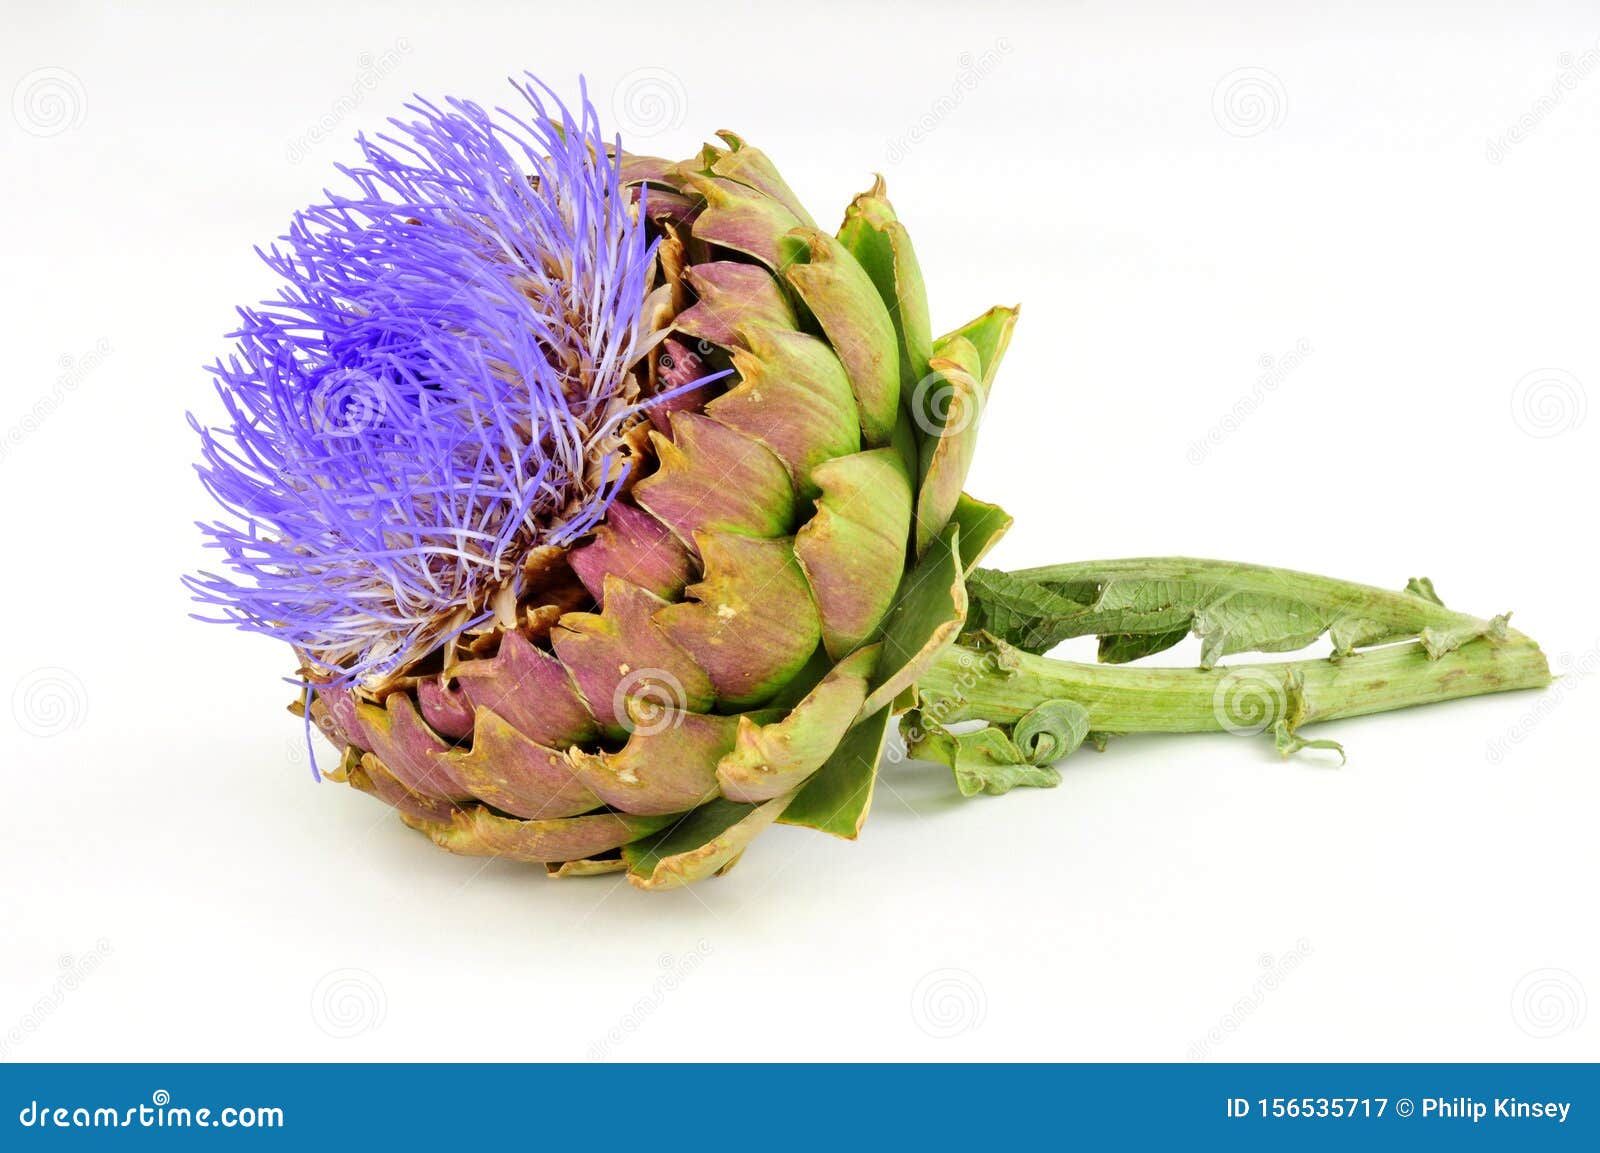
column 1105, row 165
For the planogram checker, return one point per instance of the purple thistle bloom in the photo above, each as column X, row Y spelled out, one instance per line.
column 435, row 391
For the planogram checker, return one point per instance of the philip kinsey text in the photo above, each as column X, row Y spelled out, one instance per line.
column 1511, row 1108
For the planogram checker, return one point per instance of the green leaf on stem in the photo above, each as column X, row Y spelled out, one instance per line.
column 997, row 759
column 1141, row 607
column 1051, row 732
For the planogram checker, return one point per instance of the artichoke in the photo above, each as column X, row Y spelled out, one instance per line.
column 613, row 508
column 606, row 587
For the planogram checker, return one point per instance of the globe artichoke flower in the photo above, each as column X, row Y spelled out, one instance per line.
column 613, row 509
column 584, row 484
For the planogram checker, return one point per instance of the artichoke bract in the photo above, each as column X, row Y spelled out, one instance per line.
column 614, row 508
column 696, row 622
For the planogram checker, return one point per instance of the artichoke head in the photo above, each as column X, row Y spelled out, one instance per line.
column 726, row 647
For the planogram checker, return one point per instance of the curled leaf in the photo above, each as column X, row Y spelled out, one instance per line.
column 1050, row 732
column 984, row 760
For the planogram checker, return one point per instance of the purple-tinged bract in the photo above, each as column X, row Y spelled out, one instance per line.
column 436, row 388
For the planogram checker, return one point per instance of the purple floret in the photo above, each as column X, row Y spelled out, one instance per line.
column 435, row 388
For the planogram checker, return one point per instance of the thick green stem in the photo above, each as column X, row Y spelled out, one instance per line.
column 981, row 683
